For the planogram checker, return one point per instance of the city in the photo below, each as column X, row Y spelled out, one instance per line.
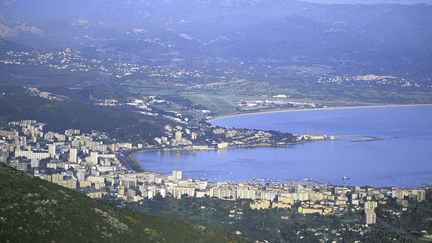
column 91, row 164
column 216, row 121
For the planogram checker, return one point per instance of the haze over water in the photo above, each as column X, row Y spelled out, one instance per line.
column 402, row 156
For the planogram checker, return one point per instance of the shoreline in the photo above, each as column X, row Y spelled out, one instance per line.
column 270, row 111
column 135, row 164
column 132, row 156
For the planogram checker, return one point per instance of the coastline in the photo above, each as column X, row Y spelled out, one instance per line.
column 270, row 111
column 131, row 162
column 132, row 156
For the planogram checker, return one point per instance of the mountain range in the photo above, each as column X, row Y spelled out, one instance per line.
column 262, row 38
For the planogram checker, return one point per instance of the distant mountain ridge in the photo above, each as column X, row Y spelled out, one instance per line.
column 363, row 38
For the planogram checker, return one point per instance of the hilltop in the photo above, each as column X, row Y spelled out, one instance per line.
column 35, row 210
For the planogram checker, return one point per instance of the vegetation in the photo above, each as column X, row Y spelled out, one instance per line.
column 33, row 210
column 277, row 225
column 415, row 219
column 120, row 123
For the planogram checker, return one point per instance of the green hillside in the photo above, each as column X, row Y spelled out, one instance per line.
column 120, row 123
column 33, row 210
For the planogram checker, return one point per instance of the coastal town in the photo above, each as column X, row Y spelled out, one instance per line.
column 92, row 164
column 261, row 121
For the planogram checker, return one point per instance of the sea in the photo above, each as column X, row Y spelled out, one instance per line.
column 375, row 146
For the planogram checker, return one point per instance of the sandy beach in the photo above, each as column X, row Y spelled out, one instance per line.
column 313, row 109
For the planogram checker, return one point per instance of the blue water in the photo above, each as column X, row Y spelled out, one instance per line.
column 402, row 158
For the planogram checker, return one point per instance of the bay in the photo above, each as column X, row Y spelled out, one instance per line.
column 377, row 146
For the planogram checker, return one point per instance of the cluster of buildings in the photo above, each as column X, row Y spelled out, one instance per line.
column 143, row 103
column 188, row 132
column 90, row 163
column 177, row 136
column 45, row 95
column 370, row 78
column 71, row 159
column 277, row 102
column 334, row 200
column 204, row 137
column 74, row 61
